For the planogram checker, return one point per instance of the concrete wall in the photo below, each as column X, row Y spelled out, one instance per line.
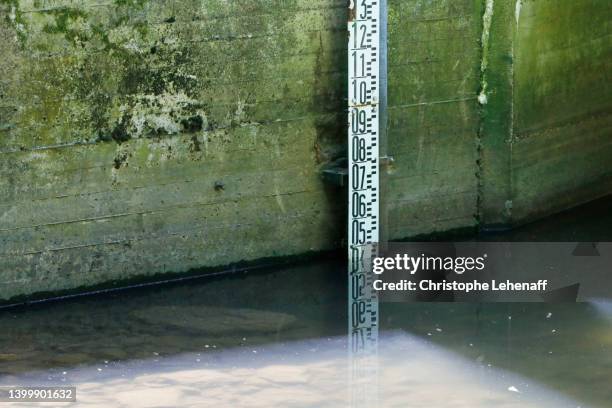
column 434, row 74
column 141, row 137
column 562, row 121
column 118, row 118
column 546, row 132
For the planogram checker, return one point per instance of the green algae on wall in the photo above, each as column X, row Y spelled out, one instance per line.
column 146, row 137
column 545, row 137
column 141, row 70
column 495, row 98
column 562, row 144
column 120, row 120
column 434, row 61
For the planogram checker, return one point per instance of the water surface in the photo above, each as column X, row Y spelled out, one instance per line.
column 278, row 338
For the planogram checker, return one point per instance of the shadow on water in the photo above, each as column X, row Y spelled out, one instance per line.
column 565, row 347
column 591, row 222
column 280, row 305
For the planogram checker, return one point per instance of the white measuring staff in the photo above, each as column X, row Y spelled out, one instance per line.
column 364, row 90
column 363, row 135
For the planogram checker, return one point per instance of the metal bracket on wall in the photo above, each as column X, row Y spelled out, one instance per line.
column 387, row 161
column 336, row 173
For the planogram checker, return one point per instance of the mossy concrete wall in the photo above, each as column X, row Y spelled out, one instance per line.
column 562, row 117
column 434, row 74
column 546, row 132
column 139, row 137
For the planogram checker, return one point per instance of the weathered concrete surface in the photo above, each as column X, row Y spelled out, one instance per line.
column 142, row 137
column 434, row 62
column 495, row 96
column 546, row 134
column 139, row 137
column 562, row 121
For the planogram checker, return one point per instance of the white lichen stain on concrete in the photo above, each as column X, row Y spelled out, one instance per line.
column 132, row 46
column 239, row 114
column 13, row 18
column 126, row 38
column 482, row 97
column 38, row 157
column 487, row 19
column 159, row 113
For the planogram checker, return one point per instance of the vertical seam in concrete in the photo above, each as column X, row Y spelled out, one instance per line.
column 487, row 18
column 509, row 203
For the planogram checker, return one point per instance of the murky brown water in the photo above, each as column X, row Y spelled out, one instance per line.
column 277, row 338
